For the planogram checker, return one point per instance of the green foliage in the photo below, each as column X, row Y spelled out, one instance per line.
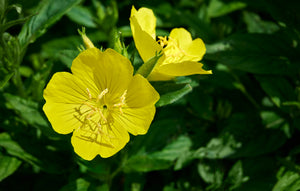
column 237, row 129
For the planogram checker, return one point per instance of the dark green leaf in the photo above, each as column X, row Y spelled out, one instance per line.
column 78, row 185
column 277, row 88
column 257, row 53
column 261, row 173
column 82, row 16
column 15, row 149
column 256, row 25
column 27, row 109
column 5, row 77
column 218, row 148
column 48, row 13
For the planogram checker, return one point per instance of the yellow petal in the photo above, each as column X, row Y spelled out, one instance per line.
column 182, row 36
column 107, row 69
column 140, row 93
column 156, row 76
column 64, row 94
column 113, row 72
column 183, row 69
column 194, row 49
column 105, row 142
column 145, row 19
column 83, row 67
column 143, row 35
column 135, row 120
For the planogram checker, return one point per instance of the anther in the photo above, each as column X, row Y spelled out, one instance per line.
column 101, row 95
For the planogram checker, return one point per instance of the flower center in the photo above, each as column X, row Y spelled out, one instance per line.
column 95, row 115
column 171, row 49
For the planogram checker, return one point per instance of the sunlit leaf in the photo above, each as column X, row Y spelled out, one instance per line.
column 8, row 165
column 217, row 8
column 236, row 176
column 289, row 181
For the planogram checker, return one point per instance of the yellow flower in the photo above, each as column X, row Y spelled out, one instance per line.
column 181, row 52
column 100, row 102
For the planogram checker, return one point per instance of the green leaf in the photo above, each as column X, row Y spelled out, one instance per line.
column 8, row 165
column 259, row 140
column 291, row 18
column 67, row 57
column 79, row 184
column 148, row 66
column 211, row 172
column 82, row 16
column 257, row 53
column 15, row 149
column 256, row 25
column 289, row 181
column 201, row 103
column 277, row 88
column 217, row 8
column 48, row 13
column 14, row 22
column 175, row 149
column 143, row 162
column 158, row 135
column 98, row 165
column 5, row 76
column 261, row 172
column 2, row 8
column 170, row 93
column 27, row 109
column 218, row 148
column 235, row 176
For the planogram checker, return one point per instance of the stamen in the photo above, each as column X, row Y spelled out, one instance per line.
column 101, row 115
column 162, row 41
column 89, row 93
column 122, row 102
column 101, row 95
column 94, row 115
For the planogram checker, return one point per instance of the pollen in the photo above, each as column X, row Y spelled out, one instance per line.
column 173, row 52
column 96, row 114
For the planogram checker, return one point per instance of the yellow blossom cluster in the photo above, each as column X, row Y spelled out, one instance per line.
column 102, row 101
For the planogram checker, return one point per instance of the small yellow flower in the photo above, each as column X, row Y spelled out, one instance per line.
column 181, row 52
column 100, row 102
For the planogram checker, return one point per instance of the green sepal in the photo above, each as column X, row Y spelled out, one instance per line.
column 119, row 45
column 148, row 66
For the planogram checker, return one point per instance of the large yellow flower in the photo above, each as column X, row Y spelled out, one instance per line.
column 181, row 52
column 100, row 103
